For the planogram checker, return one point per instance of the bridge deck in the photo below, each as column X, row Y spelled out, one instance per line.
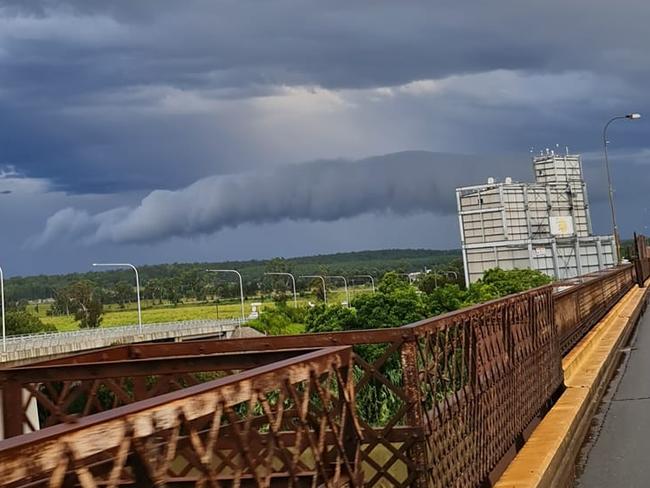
column 620, row 445
column 35, row 346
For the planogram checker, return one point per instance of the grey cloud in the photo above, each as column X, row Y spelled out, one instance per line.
column 68, row 68
column 402, row 183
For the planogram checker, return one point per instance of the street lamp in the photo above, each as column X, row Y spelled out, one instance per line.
column 2, row 302
column 617, row 239
column 293, row 281
column 453, row 273
column 241, row 285
column 324, row 285
column 137, row 285
column 345, row 284
column 372, row 280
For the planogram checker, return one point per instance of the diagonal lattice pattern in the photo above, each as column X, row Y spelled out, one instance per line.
column 292, row 421
column 437, row 403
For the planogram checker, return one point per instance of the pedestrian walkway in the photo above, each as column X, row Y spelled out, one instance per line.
column 620, row 446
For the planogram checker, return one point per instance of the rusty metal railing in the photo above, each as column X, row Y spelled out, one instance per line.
column 582, row 304
column 439, row 402
column 292, row 421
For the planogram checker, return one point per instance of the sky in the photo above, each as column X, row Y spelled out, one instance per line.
column 204, row 130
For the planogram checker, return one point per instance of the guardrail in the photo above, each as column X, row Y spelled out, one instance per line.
column 440, row 402
column 584, row 302
column 292, row 420
column 426, row 393
column 35, row 345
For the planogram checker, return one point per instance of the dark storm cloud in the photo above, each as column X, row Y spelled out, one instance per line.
column 68, row 68
column 103, row 102
column 402, row 183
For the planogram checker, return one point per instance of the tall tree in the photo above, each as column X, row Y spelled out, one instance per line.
column 86, row 304
column 123, row 293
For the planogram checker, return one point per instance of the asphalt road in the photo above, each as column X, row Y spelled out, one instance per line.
column 620, row 448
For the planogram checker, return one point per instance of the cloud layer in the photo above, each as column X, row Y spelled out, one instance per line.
column 324, row 191
column 136, row 127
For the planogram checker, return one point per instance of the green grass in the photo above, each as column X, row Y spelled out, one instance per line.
column 114, row 315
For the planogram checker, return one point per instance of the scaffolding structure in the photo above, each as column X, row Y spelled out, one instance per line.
column 543, row 225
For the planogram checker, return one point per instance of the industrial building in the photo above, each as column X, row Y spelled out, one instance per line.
column 543, row 225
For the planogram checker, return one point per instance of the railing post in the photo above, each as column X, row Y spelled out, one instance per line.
column 638, row 261
column 352, row 436
column 12, row 409
column 415, row 414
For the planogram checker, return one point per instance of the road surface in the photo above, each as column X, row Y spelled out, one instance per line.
column 620, row 446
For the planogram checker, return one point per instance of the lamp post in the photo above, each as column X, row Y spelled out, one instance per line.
column 241, row 285
column 293, row 281
column 453, row 273
column 617, row 239
column 372, row 280
column 324, row 285
column 137, row 285
column 345, row 284
column 2, row 302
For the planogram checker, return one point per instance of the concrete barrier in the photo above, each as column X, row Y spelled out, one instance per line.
column 24, row 349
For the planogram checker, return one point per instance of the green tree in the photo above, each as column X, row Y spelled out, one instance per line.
column 22, row 322
column 61, row 305
column 154, row 290
column 316, row 287
column 123, row 292
column 391, row 282
column 323, row 318
column 279, row 319
column 446, row 298
column 507, row 282
column 171, row 287
column 398, row 307
column 87, row 306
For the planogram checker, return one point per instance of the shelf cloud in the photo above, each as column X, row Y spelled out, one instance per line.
column 400, row 183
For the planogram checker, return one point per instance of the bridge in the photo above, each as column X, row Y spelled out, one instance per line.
column 30, row 347
column 499, row 394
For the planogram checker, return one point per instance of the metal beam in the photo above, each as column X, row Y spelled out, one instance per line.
column 147, row 367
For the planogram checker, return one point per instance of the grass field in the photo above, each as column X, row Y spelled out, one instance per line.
column 116, row 316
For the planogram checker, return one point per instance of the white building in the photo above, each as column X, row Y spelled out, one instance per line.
column 543, row 225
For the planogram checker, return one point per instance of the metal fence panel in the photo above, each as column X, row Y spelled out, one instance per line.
column 437, row 403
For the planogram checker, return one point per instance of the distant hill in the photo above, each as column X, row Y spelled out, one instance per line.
column 375, row 263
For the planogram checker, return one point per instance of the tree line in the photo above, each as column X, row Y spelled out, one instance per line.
column 184, row 280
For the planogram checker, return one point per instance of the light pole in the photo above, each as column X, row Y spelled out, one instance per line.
column 137, row 285
column 241, row 285
column 293, row 281
column 2, row 302
column 455, row 275
column 617, row 239
column 345, row 284
column 372, row 280
column 324, row 285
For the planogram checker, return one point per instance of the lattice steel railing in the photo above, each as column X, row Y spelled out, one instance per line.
column 438, row 403
column 426, row 393
column 291, row 422
column 579, row 307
